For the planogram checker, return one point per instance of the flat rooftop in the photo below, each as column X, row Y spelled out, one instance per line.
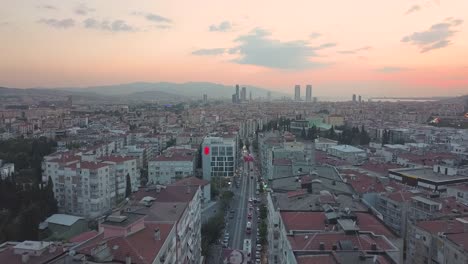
column 427, row 174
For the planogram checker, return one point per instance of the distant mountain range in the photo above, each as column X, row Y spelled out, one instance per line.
column 130, row 92
column 143, row 90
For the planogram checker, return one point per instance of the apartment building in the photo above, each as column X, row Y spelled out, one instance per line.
column 122, row 166
column 438, row 241
column 180, row 204
column 394, row 209
column 174, row 164
column 219, row 156
column 89, row 188
column 459, row 191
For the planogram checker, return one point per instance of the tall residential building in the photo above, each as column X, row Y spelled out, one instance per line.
column 309, row 93
column 237, row 93
column 244, row 94
column 269, row 96
column 87, row 186
column 354, row 98
column 250, row 96
column 297, row 92
column 205, row 98
column 219, row 156
column 174, row 164
column 359, row 98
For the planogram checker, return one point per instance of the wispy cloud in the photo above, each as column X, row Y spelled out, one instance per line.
column 354, row 51
column 105, row 25
column 221, row 27
column 49, row 7
column 258, row 48
column 209, row 52
column 436, row 37
column 325, row 45
column 412, row 9
column 160, row 22
column 83, row 10
column 57, row 23
column 315, row 35
column 157, row 18
column 390, row 69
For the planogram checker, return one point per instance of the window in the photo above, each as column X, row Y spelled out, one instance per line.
column 222, row 151
column 214, row 151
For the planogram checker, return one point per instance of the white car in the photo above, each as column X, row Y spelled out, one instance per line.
column 259, row 247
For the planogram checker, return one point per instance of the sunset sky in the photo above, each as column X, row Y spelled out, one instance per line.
column 368, row 47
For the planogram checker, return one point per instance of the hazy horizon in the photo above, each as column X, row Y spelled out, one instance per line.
column 392, row 48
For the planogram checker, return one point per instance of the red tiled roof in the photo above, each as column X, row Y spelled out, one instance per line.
column 460, row 239
column 362, row 241
column 66, row 159
column 83, row 236
column 117, row 159
column 362, row 183
column 92, row 165
column 191, row 181
column 368, row 222
column 436, row 226
column 140, row 246
column 303, row 220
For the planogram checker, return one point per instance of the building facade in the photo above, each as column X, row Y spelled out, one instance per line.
column 219, row 156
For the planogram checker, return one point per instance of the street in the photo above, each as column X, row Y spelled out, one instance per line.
column 237, row 223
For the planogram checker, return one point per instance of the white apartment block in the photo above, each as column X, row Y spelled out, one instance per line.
column 84, row 189
column 219, row 156
column 171, row 166
column 89, row 188
column 121, row 166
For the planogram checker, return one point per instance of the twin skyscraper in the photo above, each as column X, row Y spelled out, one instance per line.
column 297, row 93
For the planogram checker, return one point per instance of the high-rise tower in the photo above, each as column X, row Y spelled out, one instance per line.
column 244, row 94
column 297, row 92
column 309, row 93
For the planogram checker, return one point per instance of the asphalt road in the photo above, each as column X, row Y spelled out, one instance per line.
column 236, row 226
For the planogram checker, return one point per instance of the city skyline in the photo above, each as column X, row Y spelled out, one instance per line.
column 405, row 48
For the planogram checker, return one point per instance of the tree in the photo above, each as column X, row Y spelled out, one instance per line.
column 128, row 189
column 364, row 137
column 331, row 133
column 49, row 198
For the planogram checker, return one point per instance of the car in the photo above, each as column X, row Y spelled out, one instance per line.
column 257, row 261
column 257, row 193
column 250, row 200
column 259, row 247
column 259, row 221
column 257, row 254
column 249, row 215
column 232, row 211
